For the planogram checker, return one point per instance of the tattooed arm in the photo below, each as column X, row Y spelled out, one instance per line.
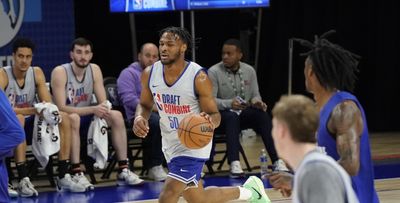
column 346, row 124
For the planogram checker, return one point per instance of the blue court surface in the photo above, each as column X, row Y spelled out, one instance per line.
column 151, row 190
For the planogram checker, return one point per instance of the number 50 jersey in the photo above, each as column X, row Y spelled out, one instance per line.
column 174, row 102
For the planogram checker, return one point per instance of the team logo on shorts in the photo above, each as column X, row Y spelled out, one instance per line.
column 11, row 17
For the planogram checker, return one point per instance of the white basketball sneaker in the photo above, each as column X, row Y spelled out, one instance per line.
column 81, row 179
column 127, row 177
column 26, row 188
column 67, row 184
column 157, row 173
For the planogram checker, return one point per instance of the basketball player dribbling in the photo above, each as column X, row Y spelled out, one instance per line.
column 176, row 85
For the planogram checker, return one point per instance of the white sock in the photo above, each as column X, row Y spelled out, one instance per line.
column 244, row 193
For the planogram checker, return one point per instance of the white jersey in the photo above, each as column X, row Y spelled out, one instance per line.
column 78, row 93
column 21, row 96
column 174, row 102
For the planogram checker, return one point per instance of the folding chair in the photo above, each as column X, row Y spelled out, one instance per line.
column 134, row 143
column 220, row 139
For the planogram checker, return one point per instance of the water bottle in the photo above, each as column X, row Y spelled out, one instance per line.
column 263, row 163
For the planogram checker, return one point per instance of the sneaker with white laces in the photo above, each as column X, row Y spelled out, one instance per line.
column 127, row 177
column 67, row 184
column 157, row 173
column 279, row 165
column 256, row 186
column 81, row 179
column 236, row 170
column 11, row 191
column 26, row 188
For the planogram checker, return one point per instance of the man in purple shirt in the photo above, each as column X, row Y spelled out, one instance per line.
column 129, row 89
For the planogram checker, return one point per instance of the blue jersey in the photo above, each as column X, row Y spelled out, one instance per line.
column 11, row 134
column 363, row 182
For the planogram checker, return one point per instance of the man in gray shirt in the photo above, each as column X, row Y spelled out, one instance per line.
column 318, row 177
column 239, row 102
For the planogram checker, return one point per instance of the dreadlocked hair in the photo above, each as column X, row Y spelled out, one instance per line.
column 334, row 66
column 183, row 34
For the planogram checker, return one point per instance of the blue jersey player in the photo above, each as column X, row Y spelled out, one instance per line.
column 330, row 76
column 11, row 135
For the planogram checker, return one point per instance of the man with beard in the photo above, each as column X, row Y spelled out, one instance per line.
column 129, row 89
column 23, row 83
column 240, row 105
column 85, row 80
column 189, row 85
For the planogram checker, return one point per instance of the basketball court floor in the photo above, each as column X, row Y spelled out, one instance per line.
column 385, row 152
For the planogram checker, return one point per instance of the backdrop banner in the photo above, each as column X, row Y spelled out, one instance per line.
column 49, row 24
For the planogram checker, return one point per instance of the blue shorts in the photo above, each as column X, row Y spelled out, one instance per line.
column 186, row 169
column 28, row 128
column 85, row 124
column 29, row 121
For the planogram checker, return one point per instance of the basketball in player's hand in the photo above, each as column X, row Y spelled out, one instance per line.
column 195, row 131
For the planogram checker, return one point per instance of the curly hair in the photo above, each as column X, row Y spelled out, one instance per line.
column 23, row 43
column 183, row 34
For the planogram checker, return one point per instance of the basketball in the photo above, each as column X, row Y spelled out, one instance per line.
column 195, row 131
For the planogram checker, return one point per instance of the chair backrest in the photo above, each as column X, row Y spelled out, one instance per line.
column 110, row 84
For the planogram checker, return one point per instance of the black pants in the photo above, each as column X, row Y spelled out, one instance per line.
column 152, row 153
column 232, row 124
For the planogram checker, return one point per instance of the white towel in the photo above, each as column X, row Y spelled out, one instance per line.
column 49, row 111
column 45, row 141
column 97, row 140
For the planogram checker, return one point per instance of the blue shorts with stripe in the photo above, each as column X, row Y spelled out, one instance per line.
column 186, row 169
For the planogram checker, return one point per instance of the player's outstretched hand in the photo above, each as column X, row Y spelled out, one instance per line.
column 281, row 181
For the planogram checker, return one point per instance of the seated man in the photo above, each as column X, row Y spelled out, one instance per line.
column 129, row 89
column 22, row 83
column 73, row 85
column 239, row 102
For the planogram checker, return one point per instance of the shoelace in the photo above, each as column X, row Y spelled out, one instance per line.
column 82, row 179
column 280, row 166
column 29, row 185
column 10, row 186
column 158, row 169
column 236, row 168
column 133, row 175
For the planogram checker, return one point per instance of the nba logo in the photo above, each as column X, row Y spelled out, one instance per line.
column 158, row 99
column 71, row 95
